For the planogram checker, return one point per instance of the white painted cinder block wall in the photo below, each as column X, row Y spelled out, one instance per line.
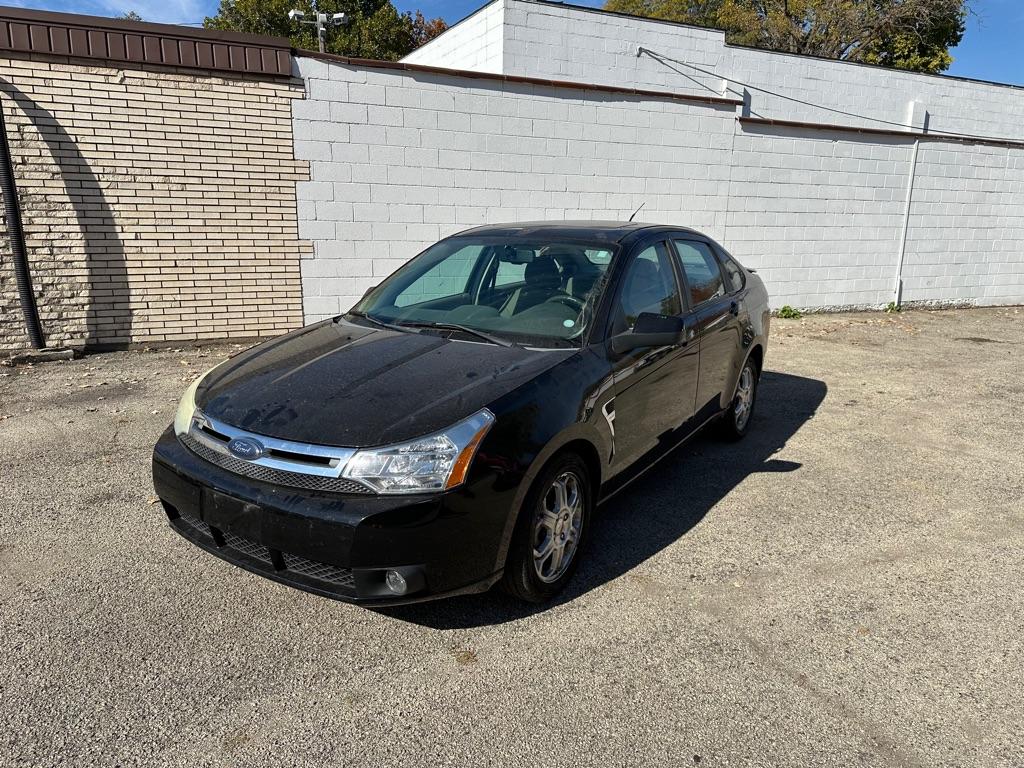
column 475, row 43
column 399, row 159
column 965, row 241
column 553, row 40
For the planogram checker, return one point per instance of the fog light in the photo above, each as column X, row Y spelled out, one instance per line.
column 396, row 582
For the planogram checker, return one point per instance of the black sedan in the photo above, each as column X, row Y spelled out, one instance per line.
column 459, row 425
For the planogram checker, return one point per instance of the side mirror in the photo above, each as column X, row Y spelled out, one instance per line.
column 650, row 330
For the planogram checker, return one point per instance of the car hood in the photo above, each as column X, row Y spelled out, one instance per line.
column 339, row 383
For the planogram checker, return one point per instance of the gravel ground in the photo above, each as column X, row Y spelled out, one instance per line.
column 844, row 587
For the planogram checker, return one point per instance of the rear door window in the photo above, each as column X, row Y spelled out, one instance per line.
column 703, row 275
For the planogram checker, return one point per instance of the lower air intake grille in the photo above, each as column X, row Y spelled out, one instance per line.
column 196, row 523
column 321, row 571
column 312, row 569
column 248, row 547
column 269, row 475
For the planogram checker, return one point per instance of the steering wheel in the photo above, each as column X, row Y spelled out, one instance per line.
column 570, row 301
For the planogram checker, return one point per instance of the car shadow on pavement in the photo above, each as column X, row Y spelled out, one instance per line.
column 657, row 509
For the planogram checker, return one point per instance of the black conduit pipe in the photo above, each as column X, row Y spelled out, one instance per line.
column 16, row 235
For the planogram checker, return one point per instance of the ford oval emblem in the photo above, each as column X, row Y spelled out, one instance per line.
column 246, row 448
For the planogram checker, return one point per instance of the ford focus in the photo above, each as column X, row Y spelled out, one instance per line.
column 459, row 425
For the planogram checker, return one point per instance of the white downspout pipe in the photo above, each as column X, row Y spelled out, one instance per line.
column 898, row 287
column 917, row 119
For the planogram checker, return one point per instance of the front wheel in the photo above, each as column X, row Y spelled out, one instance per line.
column 736, row 421
column 550, row 531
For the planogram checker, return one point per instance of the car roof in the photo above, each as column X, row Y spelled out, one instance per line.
column 610, row 231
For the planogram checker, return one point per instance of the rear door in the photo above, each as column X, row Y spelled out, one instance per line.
column 716, row 309
column 654, row 386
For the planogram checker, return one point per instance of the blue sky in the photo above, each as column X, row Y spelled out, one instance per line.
column 990, row 50
column 991, row 47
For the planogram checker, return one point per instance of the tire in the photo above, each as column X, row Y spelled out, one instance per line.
column 534, row 579
column 736, row 420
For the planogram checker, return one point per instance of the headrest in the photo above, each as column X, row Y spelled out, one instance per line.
column 542, row 272
column 571, row 258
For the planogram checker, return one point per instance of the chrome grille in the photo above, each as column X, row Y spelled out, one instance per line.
column 322, row 571
column 270, row 475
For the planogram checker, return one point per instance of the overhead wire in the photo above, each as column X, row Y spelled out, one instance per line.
column 711, row 73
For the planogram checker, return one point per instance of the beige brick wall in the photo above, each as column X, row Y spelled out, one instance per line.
column 158, row 205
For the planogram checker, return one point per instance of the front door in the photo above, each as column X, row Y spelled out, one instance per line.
column 655, row 387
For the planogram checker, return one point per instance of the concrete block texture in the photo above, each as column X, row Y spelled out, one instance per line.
column 475, row 43
column 466, row 152
column 819, row 213
column 551, row 40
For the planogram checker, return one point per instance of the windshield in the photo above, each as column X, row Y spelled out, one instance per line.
column 538, row 292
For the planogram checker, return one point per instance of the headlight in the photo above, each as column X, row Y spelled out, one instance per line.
column 433, row 463
column 187, row 406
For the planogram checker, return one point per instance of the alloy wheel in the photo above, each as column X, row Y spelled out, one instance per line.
column 744, row 398
column 557, row 527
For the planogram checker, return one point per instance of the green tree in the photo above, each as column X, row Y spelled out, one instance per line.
column 424, row 30
column 904, row 34
column 374, row 28
column 702, row 13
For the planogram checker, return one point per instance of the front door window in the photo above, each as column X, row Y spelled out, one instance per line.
column 648, row 286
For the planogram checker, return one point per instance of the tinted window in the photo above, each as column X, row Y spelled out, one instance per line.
column 733, row 274
column 648, row 286
column 701, row 269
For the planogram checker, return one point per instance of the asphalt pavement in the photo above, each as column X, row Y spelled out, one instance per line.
column 844, row 587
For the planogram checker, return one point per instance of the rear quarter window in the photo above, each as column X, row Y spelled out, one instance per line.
column 734, row 278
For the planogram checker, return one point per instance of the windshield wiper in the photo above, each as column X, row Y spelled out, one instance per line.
column 382, row 323
column 465, row 329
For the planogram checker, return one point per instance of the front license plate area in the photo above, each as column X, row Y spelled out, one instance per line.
column 300, row 535
column 232, row 515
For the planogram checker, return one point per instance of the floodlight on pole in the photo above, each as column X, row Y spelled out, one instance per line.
column 323, row 21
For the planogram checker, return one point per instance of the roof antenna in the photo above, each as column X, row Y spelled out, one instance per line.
column 638, row 210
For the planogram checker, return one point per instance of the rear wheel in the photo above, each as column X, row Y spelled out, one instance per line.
column 550, row 531
column 736, row 421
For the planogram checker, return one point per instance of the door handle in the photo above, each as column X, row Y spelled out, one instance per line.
column 734, row 309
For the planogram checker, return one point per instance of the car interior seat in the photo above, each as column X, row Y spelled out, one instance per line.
column 542, row 281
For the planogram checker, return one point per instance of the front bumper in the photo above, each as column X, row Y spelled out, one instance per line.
column 335, row 545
